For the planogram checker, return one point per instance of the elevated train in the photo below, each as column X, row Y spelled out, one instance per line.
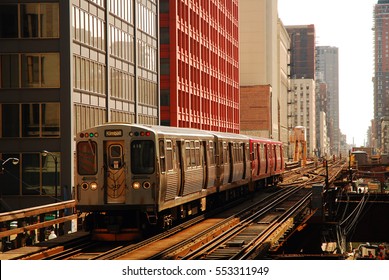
column 133, row 177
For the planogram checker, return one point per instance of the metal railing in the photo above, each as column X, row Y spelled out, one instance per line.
column 35, row 220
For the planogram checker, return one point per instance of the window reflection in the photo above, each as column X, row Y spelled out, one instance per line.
column 10, row 177
column 49, row 177
column 50, row 70
column 39, row 20
column 30, row 120
column 50, row 119
column 29, row 20
column 40, row 70
column 37, row 120
column 35, row 174
column 49, row 20
column 31, row 174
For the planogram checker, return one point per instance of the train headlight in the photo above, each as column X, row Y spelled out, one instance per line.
column 93, row 186
column 84, row 186
column 146, row 185
column 136, row 185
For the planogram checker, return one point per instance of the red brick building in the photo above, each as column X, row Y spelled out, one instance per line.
column 255, row 108
column 199, row 64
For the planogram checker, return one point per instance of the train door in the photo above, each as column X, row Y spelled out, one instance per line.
column 243, row 146
column 266, row 158
column 181, row 168
column 275, row 158
column 259, row 158
column 231, row 161
column 115, row 172
column 254, row 159
column 204, row 163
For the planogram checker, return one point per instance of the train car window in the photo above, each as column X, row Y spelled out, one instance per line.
column 211, row 153
column 197, row 153
column 225, row 152
column 115, row 156
column 192, row 154
column 187, row 153
column 275, row 158
column 259, row 157
column 254, row 148
column 234, row 152
column 115, row 151
column 142, row 157
column 169, row 155
column 87, row 158
column 241, row 151
column 221, row 153
column 162, row 155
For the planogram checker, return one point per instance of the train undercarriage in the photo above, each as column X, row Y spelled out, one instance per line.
column 131, row 224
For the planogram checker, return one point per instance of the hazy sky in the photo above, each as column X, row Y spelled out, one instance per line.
column 346, row 24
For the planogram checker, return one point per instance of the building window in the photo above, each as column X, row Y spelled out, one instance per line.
column 40, row 70
column 29, row 14
column 8, row 21
column 9, row 71
column 37, row 70
column 35, row 20
column 30, row 174
column 165, row 36
column 88, row 29
column 35, row 174
column 165, row 66
column 30, row 120
column 10, row 120
column 165, row 97
column 10, row 182
column 50, row 179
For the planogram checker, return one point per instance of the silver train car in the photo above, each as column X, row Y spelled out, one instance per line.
column 130, row 178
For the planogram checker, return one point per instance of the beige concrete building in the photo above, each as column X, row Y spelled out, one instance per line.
column 263, row 51
column 324, row 141
column 302, row 111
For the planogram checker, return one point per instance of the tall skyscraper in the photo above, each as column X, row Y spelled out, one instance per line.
column 199, row 64
column 302, row 97
column 327, row 69
column 66, row 66
column 263, row 60
column 381, row 66
column 302, row 45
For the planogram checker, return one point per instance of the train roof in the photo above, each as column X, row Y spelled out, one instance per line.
column 359, row 152
column 169, row 130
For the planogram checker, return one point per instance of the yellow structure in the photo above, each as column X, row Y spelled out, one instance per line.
column 300, row 144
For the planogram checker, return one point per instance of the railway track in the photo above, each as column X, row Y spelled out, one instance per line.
column 255, row 223
column 244, row 231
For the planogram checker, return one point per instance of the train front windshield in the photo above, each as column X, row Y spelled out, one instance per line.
column 87, row 158
column 142, row 157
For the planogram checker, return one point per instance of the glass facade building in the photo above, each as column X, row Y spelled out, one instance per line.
column 66, row 66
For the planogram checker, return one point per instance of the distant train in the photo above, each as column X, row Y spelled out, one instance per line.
column 132, row 177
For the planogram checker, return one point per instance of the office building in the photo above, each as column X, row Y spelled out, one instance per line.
column 327, row 69
column 381, row 72
column 66, row 66
column 199, row 64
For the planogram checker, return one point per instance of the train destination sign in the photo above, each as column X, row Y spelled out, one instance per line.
column 113, row 133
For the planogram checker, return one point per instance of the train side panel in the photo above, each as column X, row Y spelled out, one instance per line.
column 234, row 166
column 185, row 174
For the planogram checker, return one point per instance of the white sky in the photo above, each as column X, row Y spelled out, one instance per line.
column 346, row 24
